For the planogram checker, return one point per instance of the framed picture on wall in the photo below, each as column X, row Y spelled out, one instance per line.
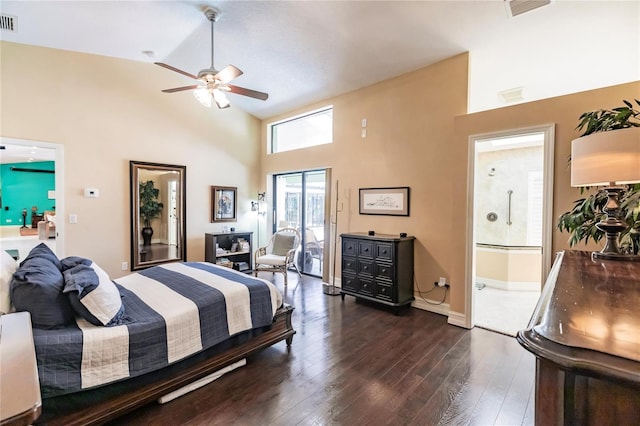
column 385, row 201
column 223, row 203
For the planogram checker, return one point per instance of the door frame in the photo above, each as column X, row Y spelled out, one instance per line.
column 547, row 210
column 271, row 211
column 59, row 180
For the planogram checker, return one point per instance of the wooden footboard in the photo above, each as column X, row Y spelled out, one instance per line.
column 113, row 408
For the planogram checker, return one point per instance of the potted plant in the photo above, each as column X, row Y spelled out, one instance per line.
column 587, row 212
column 150, row 208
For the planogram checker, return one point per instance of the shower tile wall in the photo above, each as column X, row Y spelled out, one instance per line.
column 510, row 169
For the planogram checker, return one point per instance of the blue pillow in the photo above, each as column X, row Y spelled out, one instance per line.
column 93, row 295
column 43, row 251
column 36, row 287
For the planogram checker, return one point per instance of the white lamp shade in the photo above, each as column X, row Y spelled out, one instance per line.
column 605, row 157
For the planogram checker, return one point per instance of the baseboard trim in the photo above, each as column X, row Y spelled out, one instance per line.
column 509, row 285
column 431, row 306
column 458, row 319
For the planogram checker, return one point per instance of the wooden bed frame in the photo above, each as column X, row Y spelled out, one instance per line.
column 110, row 409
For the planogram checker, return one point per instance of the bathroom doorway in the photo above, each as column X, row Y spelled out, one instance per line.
column 512, row 181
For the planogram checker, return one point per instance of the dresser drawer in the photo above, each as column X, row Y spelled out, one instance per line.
column 366, row 286
column 384, row 251
column 384, row 269
column 365, row 267
column 350, row 283
column 350, row 265
column 365, row 249
column 349, row 247
column 384, row 290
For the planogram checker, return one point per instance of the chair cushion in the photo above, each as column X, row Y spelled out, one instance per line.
column 282, row 243
column 271, row 259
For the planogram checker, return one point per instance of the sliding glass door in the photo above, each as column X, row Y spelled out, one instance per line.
column 299, row 203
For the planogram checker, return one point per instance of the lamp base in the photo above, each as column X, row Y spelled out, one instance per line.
column 331, row 290
column 612, row 226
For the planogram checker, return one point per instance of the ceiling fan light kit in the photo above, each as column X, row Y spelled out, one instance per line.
column 212, row 83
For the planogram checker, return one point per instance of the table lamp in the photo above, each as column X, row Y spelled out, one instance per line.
column 609, row 158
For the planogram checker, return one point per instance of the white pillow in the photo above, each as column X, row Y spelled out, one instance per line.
column 9, row 266
column 93, row 295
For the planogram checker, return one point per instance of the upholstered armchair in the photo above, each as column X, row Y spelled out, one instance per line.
column 278, row 255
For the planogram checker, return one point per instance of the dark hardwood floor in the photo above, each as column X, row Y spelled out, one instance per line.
column 352, row 363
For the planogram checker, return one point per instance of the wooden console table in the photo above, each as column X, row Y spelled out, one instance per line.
column 20, row 402
column 585, row 334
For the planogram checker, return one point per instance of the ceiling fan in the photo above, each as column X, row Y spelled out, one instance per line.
column 213, row 83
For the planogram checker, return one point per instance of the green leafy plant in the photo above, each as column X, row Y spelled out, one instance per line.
column 604, row 120
column 150, row 208
column 581, row 220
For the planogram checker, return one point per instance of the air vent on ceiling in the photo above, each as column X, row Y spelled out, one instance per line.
column 518, row 7
column 8, row 23
column 510, row 96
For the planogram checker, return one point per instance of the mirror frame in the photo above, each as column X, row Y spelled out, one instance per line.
column 181, row 206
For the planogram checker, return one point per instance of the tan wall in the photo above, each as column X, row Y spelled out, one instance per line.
column 108, row 111
column 564, row 112
column 409, row 132
column 413, row 140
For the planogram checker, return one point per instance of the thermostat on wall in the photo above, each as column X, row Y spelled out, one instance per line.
column 91, row 193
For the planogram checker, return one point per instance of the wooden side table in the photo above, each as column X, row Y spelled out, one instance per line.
column 584, row 334
column 20, row 402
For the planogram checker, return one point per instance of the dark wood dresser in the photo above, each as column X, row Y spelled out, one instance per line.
column 378, row 268
column 585, row 334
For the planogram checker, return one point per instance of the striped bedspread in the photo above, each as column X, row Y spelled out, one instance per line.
column 172, row 311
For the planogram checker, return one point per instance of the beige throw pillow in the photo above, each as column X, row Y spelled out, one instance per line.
column 282, row 243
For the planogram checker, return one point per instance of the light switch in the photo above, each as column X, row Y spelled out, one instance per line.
column 73, row 218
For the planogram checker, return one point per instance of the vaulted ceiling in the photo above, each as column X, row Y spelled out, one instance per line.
column 305, row 51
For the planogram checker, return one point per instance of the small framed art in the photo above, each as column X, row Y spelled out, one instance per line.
column 385, row 201
column 223, row 203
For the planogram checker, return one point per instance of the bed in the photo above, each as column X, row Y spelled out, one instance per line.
column 175, row 323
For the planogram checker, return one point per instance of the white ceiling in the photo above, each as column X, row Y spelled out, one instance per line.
column 13, row 153
column 305, row 51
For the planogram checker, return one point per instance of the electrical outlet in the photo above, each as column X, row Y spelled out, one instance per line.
column 442, row 281
column 125, row 266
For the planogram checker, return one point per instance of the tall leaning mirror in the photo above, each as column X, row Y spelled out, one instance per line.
column 158, row 219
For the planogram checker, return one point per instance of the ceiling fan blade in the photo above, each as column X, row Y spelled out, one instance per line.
column 169, row 67
column 247, row 92
column 228, row 73
column 180, row 89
